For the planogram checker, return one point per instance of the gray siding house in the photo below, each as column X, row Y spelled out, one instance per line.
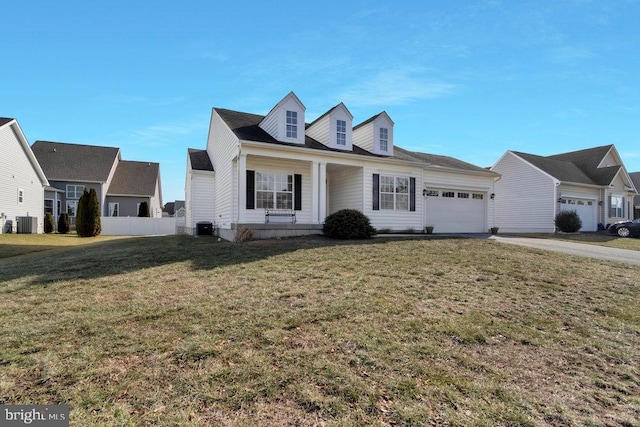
column 121, row 185
column 22, row 182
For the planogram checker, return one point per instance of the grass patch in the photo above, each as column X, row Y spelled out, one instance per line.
column 599, row 239
column 20, row 244
column 175, row 330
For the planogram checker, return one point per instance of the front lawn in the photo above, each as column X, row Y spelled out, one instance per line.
column 600, row 239
column 177, row 330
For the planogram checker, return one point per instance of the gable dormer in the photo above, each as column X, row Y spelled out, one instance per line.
column 285, row 121
column 375, row 135
column 334, row 128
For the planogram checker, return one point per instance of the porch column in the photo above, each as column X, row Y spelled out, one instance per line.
column 323, row 191
column 315, row 192
column 242, row 187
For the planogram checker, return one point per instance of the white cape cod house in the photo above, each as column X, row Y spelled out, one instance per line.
column 282, row 177
column 533, row 189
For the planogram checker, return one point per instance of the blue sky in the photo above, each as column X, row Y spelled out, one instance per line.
column 467, row 79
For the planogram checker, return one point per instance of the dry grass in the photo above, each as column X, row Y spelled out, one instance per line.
column 600, row 239
column 175, row 330
column 19, row 244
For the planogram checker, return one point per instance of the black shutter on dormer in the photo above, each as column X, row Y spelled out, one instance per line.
column 297, row 192
column 376, row 192
column 412, row 194
column 251, row 186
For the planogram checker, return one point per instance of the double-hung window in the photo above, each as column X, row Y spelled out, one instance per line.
column 341, row 132
column 394, row 193
column 48, row 206
column 292, row 124
column 20, row 196
column 72, row 207
column 274, row 191
column 114, row 209
column 74, row 191
column 384, row 139
column 616, row 207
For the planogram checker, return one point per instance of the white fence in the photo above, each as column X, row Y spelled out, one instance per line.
column 134, row 226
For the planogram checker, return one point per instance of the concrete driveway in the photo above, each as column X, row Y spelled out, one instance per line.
column 572, row 248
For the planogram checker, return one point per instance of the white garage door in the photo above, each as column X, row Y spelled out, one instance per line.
column 456, row 211
column 586, row 210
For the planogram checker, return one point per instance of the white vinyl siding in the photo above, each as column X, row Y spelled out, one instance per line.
column 338, row 123
column 344, row 189
column 275, row 122
column 277, row 166
column 17, row 171
column 368, row 135
column 200, row 195
column 584, row 201
column 525, row 197
column 387, row 219
column 222, row 147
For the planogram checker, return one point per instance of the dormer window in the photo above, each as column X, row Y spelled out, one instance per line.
column 341, row 132
column 292, row 124
column 384, row 139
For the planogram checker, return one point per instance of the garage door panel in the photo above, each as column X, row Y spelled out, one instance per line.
column 456, row 214
column 586, row 210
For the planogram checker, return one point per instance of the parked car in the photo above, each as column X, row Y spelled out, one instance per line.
column 626, row 228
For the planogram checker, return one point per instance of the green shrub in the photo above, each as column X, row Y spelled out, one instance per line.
column 143, row 210
column 88, row 214
column 568, row 221
column 348, row 224
column 63, row 223
column 49, row 223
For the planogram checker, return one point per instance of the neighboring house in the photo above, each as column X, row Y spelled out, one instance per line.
column 280, row 176
column 120, row 185
column 22, row 182
column 170, row 208
column 533, row 189
column 635, row 177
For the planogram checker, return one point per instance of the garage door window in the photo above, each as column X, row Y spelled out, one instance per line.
column 478, row 196
column 448, row 194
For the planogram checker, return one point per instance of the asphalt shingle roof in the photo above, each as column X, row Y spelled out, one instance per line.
column 200, row 160
column 576, row 166
column 75, row 162
column 134, row 179
column 4, row 120
column 245, row 127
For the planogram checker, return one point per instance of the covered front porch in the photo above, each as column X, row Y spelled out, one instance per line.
column 284, row 197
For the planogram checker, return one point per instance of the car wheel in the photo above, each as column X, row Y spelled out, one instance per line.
column 623, row 232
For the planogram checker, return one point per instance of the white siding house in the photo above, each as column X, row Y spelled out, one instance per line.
column 533, row 189
column 280, row 180
column 22, row 182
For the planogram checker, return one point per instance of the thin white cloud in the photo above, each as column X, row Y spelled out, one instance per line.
column 569, row 54
column 394, row 87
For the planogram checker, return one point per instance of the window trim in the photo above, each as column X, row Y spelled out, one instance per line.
column 384, row 140
column 45, row 206
column 74, row 195
column 341, row 132
column 619, row 208
column 274, row 183
column 20, row 196
column 396, row 195
column 117, row 209
column 291, row 124
column 73, row 203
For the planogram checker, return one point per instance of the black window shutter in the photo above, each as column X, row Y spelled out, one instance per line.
column 297, row 192
column 376, row 192
column 412, row 194
column 251, row 186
